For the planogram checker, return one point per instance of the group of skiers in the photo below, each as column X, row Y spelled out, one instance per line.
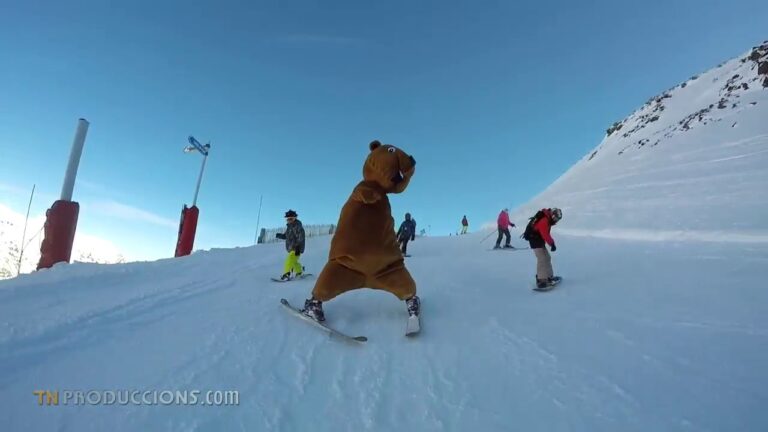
column 294, row 237
column 537, row 233
column 366, row 252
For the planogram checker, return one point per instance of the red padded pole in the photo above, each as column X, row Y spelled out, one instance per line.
column 187, row 229
column 60, row 226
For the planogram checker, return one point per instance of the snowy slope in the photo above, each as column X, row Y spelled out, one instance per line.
column 641, row 336
column 689, row 164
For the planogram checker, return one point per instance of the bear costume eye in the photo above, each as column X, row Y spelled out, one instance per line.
column 391, row 149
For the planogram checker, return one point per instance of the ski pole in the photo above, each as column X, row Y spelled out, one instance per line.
column 486, row 237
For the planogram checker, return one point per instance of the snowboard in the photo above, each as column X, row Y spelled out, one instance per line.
column 335, row 334
column 548, row 287
column 303, row 276
column 413, row 327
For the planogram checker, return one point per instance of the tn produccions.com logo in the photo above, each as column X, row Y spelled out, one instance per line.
column 138, row 397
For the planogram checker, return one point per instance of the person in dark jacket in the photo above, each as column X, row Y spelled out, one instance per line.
column 294, row 245
column 538, row 235
column 406, row 233
column 464, row 225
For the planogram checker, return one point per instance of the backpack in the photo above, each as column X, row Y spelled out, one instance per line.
column 529, row 230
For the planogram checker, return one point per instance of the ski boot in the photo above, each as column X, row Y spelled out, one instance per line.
column 497, row 247
column 554, row 280
column 541, row 283
column 286, row 276
column 508, row 247
column 414, row 305
column 314, row 309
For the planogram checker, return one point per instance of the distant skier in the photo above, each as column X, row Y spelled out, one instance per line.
column 464, row 224
column 503, row 225
column 406, row 233
column 294, row 244
column 538, row 235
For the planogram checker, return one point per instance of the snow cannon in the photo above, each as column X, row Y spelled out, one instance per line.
column 61, row 218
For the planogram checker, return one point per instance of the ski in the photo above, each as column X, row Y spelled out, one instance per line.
column 303, row 276
column 413, row 327
column 509, row 249
column 333, row 332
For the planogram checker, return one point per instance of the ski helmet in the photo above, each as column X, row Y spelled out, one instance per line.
column 291, row 213
column 407, row 216
column 557, row 214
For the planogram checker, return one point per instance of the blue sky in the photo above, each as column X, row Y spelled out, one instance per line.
column 494, row 100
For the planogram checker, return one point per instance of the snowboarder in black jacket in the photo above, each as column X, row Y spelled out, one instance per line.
column 406, row 233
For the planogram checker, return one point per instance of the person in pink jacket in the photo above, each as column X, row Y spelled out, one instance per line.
column 503, row 226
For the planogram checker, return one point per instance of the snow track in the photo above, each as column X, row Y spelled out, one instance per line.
column 678, row 346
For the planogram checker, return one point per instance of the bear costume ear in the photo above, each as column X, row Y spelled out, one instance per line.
column 374, row 145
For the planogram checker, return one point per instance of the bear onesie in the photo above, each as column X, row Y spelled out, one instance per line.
column 364, row 251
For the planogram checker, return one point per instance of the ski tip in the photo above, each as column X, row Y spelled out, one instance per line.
column 284, row 301
column 361, row 339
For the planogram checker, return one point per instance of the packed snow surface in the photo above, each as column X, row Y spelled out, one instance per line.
column 639, row 336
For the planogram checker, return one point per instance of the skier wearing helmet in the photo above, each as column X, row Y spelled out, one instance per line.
column 538, row 235
column 406, row 233
column 294, row 244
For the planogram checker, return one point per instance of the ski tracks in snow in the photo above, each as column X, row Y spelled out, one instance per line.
column 370, row 381
column 560, row 382
column 524, row 355
column 76, row 332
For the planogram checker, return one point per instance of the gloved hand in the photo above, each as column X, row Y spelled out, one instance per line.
column 297, row 252
column 553, row 248
column 511, row 224
column 281, row 236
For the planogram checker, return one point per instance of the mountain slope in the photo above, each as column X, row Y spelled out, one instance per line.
column 689, row 164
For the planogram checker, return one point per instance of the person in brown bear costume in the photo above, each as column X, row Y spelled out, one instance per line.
column 364, row 251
